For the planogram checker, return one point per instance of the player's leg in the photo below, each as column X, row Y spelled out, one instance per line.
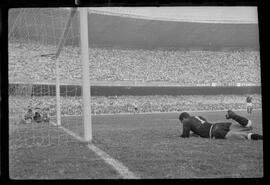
column 243, row 135
column 239, row 119
column 251, row 107
column 236, row 135
column 219, row 130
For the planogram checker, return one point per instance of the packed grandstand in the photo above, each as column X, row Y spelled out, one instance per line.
column 186, row 68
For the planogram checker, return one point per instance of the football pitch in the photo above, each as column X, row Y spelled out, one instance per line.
column 147, row 144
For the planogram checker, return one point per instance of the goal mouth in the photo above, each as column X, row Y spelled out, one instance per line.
column 43, row 46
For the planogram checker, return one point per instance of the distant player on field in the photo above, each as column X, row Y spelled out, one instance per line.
column 136, row 110
column 249, row 104
column 201, row 127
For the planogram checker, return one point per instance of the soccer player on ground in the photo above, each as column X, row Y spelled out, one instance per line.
column 249, row 104
column 45, row 116
column 28, row 117
column 222, row 130
column 37, row 116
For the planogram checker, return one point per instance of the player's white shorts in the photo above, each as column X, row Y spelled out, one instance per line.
column 249, row 104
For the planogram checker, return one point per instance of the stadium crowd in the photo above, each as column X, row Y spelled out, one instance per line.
column 128, row 104
column 30, row 61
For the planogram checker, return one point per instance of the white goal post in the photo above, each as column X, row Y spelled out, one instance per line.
column 86, row 93
column 86, row 81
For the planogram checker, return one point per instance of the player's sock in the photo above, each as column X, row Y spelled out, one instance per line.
column 229, row 114
column 255, row 136
column 241, row 120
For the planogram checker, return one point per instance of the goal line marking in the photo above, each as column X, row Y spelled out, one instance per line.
column 68, row 131
column 117, row 165
column 122, row 170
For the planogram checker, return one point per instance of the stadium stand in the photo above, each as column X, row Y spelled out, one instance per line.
column 126, row 104
column 109, row 64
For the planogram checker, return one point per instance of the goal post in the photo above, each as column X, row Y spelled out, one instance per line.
column 86, row 96
column 60, row 45
column 86, row 93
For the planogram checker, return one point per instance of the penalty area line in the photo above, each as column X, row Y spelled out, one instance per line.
column 122, row 170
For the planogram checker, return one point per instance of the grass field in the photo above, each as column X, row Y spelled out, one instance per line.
column 147, row 144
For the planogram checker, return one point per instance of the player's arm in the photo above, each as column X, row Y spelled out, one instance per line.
column 186, row 129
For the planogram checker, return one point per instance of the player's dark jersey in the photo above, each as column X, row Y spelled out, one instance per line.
column 197, row 125
column 37, row 117
column 249, row 99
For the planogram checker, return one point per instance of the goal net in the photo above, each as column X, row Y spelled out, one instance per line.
column 45, row 77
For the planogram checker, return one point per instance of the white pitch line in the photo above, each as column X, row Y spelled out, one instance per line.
column 117, row 165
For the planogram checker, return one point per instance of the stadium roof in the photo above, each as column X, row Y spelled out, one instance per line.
column 217, row 14
column 177, row 27
column 159, row 27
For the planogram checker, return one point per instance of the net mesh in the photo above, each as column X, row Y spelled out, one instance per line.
column 34, row 37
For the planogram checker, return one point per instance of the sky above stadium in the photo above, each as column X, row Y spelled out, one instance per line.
column 212, row 14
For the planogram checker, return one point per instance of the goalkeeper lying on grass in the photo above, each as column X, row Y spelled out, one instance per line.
column 201, row 127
